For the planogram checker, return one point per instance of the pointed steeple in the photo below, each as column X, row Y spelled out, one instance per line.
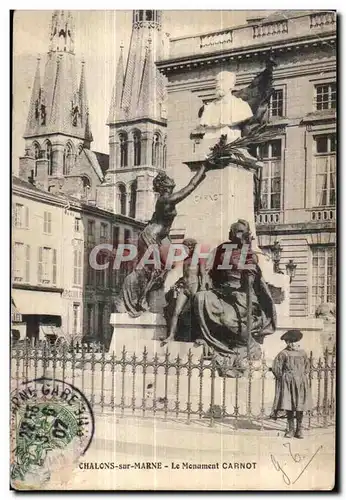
column 34, row 109
column 83, row 95
column 56, row 117
column 62, row 32
column 142, row 81
column 147, row 93
column 115, row 111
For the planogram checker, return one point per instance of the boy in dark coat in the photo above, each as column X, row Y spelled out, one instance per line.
column 292, row 391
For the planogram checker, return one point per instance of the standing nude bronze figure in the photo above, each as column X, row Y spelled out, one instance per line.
column 139, row 283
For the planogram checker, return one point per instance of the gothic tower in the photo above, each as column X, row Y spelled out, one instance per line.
column 57, row 127
column 137, row 122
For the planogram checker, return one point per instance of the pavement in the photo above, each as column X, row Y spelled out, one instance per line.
column 129, row 453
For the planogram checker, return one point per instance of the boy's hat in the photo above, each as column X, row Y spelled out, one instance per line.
column 292, row 336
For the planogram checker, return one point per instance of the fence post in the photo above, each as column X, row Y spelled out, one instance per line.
column 123, row 369
column 144, row 389
column 189, row 374
column 177, row 371
column 103, row 366
column 212, row 391
column 113, row 381
column 325, row 388
column 134, row 366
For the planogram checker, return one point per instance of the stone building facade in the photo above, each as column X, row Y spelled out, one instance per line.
column 297, row 201
column 54, row 288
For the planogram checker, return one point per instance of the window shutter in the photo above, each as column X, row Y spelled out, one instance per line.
column 54, row 267
column 27, row 263
column 49, row 222
column 75, row 267
column 40, row 266
column 27, row 217
column 79, row 267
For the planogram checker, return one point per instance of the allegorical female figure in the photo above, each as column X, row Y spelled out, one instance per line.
column 141, row 281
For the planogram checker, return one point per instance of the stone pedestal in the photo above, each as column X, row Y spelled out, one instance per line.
column 223, row 197
column 144, row 332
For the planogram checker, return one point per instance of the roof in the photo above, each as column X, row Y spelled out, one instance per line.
column 16, row 181
column 93, row 160
column 281, row 15
column 103, row 160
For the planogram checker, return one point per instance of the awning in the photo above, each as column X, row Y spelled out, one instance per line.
column 39, row 303
column 51, row 330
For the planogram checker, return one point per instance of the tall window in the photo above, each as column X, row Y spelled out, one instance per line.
column 137, row 148
column 47, row 265
column 101, row 274
column 325, row 96
column 156, row 150
column 21, row 262
column 325, row 167
column 123, row 144
column 77, row 267
column 68, row 159
column 77, row 225
column 47, row 222
column 277, row 103
column 103, row 232
column 21, row 216
column 101, row 308
column 323, row 276
column 36, row 150
column 75, row 326
column 90, row 278
column 121, row 199
column 91, row 230
column 90, row 318
column 49, row 157
column 133, row 199
column 86, row 186
column 270, row 154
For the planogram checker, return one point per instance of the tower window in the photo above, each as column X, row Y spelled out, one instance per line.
column 121, row 199
column 36, row 150
column 156, row 150
column 137, row 148
column 123, row 149
column 49, row 157
column 68, row 159
column 133, row 199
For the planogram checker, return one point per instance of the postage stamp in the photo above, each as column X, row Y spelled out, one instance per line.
column 52, row 426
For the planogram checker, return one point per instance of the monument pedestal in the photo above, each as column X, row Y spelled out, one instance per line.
column 137, row 334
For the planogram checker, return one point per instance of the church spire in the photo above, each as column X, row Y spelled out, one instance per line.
column 142, row 81
column 83, row 95
column 115, row 111
column 34, row 109
column 147, row 97
column 62, row 32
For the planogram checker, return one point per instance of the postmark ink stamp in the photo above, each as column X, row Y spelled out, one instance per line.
column 52, row 426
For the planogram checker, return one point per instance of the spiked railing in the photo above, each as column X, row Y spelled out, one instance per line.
column 185, row 388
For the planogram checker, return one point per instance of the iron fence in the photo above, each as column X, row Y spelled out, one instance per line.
column 188, row 387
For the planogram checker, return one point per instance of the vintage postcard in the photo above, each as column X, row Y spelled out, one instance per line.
column 173, row 301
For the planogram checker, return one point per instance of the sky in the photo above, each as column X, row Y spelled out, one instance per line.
column 98, row 36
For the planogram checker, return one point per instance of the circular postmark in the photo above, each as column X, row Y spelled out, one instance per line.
column 52, row 425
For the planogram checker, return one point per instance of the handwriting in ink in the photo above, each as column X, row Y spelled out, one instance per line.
column 297, row 458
